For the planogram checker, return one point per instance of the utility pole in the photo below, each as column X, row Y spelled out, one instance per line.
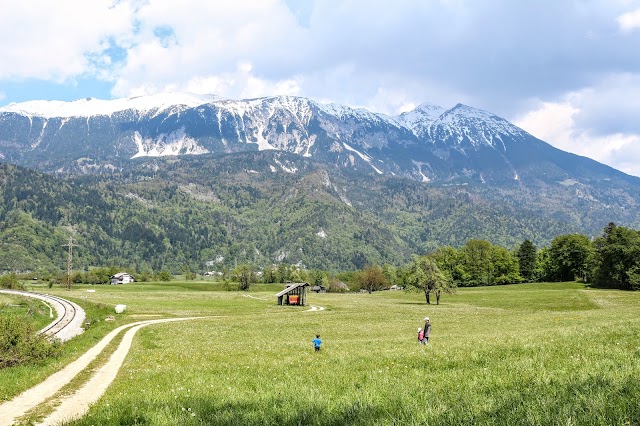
column 69, row 261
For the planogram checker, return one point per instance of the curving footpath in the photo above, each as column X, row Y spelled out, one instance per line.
column 76, row 405
column 315, row 308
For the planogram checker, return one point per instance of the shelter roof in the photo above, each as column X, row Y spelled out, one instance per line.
column 291, row 287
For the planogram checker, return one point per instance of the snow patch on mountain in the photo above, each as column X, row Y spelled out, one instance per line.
column 39, row 140
column 376, row 169
column 365, row 157
column 464, row 123
column 263, row 144
column 291, row 169
column 419, row 165
column 419, row 119
column 175, row 143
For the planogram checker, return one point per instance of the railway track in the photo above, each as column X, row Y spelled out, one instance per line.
column 68, row 314
column 68, row 322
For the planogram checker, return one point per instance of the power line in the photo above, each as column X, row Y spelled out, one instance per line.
column 71, row 245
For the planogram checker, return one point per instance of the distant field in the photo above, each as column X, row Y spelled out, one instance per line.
column 541, row 354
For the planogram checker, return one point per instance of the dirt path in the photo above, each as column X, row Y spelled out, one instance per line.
column 76, row 405
column 315, row 308
column 11, row 410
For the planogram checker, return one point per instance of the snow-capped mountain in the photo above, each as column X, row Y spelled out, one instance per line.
column 429, row 144
column 420, row 119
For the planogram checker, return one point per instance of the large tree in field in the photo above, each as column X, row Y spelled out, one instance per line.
column 527, row 260
column 544, row 267
column 504, row 267
column 424, row 274
column 449, row 260
column 570, row 256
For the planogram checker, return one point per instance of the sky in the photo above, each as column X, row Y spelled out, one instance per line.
column 567, row 71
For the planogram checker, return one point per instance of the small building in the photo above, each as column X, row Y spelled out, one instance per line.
column 122, row 278
column 294, row 294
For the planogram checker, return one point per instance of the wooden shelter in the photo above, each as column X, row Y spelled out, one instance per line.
column 294, row 294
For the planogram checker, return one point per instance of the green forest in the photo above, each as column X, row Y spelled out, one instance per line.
column 209, row 214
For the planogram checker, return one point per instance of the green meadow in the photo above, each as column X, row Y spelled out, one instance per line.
column 530, row 354
column 35, row 310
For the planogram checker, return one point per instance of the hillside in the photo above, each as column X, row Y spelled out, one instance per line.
column 211, row 212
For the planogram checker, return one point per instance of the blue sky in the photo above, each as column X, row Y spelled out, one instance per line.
column 568, row 71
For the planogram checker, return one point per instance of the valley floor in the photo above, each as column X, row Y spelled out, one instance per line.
column 523, row 354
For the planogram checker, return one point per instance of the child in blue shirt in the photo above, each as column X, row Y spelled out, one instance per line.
column 317, row 342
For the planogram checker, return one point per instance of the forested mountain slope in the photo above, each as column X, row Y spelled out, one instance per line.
column 213, row 211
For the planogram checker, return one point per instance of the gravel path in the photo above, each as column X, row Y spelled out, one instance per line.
column 315, row 308
column 10, row 411
column 76, row 405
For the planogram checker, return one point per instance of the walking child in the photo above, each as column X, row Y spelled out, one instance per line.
column 420, row 336
column 317, row 342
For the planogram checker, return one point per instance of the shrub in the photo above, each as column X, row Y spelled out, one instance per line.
column 11, row 282
column 20, row 344
column 164, row 276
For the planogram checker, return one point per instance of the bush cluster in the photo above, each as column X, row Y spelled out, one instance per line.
column 20, row 344
column 10, row 281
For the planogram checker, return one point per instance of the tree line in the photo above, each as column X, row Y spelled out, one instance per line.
column 611, row 260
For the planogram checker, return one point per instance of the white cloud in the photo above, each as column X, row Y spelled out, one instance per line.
column 629, row 21
column 239, row 84
column 556, row 123
column 239, row 49
column 551, row 122
column 54, row 40
column 385, row 56
column 2, row 96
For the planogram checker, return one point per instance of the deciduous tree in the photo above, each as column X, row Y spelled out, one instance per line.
column 424, row 274
column 371, row 278
column 245, row 275
column 617, row 258
column 570, row 254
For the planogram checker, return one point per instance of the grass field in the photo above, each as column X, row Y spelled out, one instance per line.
column 539, row 354
column 26, row 308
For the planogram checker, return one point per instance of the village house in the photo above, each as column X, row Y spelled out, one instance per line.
column 122, row 278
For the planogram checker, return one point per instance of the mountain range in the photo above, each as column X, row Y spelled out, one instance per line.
column 429, row 144
column 174, row 179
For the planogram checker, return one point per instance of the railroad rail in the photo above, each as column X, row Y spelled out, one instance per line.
column 67, row 324
column 68, row 314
